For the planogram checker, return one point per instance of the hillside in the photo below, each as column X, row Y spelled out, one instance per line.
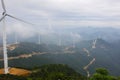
column 90, row 53
column 57, row 72
column 47, row 72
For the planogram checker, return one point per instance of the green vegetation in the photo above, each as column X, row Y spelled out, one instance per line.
column 49, row 72
column 56, row 72
column 27, row 48
column 106, row 55
column 102, row 74
column 11, row 77
column 60, row 72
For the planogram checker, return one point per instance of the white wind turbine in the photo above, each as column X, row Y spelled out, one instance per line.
column 94, row 43
column 5, row 14
column 60, row 40
column 73, row 40
column 39, row 38
column 16, row 39
column 50, row 25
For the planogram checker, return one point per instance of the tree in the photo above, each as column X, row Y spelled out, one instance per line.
column 102, row 74
column 102, row 71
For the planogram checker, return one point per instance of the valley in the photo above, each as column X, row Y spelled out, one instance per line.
column 83, row 58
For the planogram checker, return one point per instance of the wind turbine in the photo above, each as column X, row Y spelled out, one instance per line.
column 39, row 38
column 73, row 40
column 4, row 15
column 94, row 43
column 49, row 25
column 60, row 40
column 16, row 39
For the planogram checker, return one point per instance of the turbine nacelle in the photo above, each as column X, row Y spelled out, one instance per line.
column 4, row 13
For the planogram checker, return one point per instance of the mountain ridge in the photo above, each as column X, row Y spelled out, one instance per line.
column 78, row 59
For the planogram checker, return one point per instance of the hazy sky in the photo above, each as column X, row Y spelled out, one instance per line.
column 64, row 13
column 67, row 12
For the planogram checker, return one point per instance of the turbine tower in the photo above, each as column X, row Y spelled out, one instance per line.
column 73, row 41
column 94, row 43
column 5, row 56
column 39, row 38
column 16, row 39
column 60, row 40
column 50, row 25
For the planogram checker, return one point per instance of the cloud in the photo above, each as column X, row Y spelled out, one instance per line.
column 63, row 13
column 21, row 30
column 76, row 37
column 84, row 7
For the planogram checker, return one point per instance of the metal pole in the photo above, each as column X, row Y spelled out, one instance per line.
column 5, row 48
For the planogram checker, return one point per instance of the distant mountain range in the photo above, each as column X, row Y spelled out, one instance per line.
column 87, row 33
column 67, row 35
column 84, row 57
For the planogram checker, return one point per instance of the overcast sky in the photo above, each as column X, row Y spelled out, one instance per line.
column 67, row 12
column 64, row 13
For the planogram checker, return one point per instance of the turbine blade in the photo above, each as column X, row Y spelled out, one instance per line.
column 3, row 5
column 19, row 19
column 2, row 18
